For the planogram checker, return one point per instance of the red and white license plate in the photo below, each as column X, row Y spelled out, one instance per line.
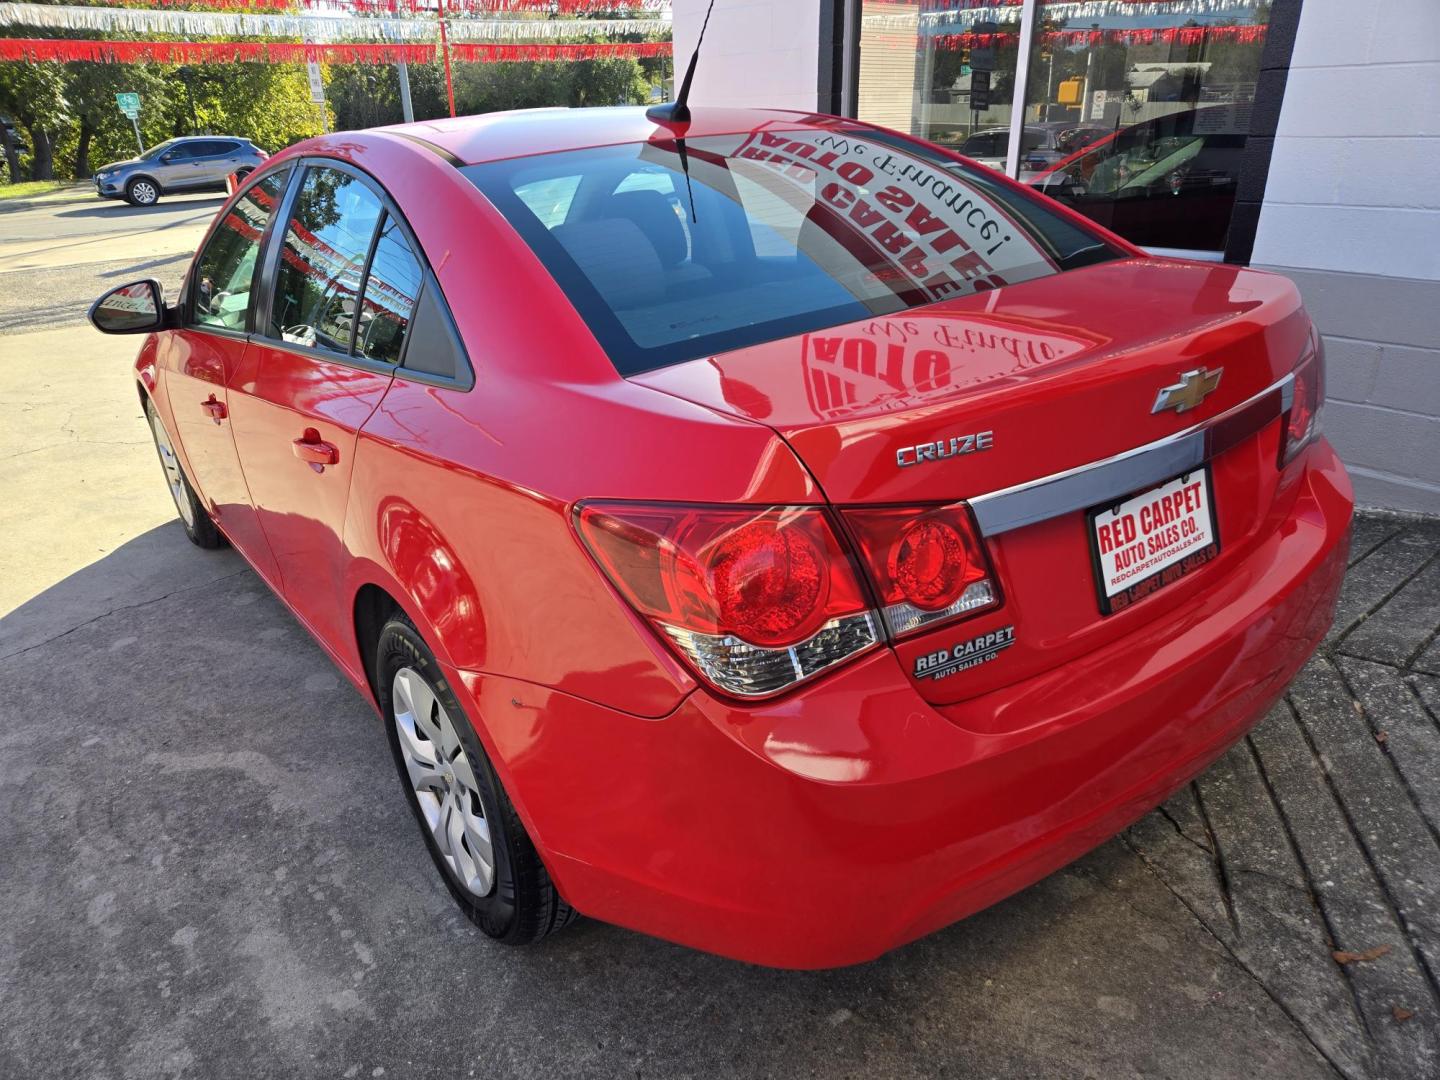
column 1152, row 539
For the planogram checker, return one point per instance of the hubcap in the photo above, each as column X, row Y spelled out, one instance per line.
column 443, row 778
column 174, row 478
column 144, row 193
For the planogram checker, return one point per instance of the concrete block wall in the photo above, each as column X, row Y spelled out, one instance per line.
column 1351, row 212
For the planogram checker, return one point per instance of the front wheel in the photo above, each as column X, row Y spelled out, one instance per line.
column 142, row 192
column 198, row 526
column 469, row 824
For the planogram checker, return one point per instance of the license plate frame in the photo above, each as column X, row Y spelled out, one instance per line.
column 1183, row 558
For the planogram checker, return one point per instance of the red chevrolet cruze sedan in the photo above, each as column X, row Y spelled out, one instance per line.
column 773, row 533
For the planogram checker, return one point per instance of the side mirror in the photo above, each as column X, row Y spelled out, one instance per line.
column 137, row 308
column 167, row 158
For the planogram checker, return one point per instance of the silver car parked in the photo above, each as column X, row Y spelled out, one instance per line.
column 192, row 163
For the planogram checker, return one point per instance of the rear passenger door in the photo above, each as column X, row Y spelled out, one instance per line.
column 343, row 278
column 216, row 159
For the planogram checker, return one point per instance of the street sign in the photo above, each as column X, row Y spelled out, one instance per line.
column 317, row 84
column 980, row 80
column 130, row 106
column 982, row 59
column 979, row 100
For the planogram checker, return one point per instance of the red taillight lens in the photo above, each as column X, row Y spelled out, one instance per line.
column 1302, row 423
column 755, row 599
column 928, row 564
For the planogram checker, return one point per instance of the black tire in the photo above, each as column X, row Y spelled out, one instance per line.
column 142, row 191
column 199, row 526
column 523, row 905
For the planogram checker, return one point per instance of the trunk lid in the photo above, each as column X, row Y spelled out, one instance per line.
column 982, row 393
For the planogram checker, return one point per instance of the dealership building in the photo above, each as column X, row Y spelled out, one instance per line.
column 1298, row 137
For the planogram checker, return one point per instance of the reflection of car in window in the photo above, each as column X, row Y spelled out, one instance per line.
column 1166, row 182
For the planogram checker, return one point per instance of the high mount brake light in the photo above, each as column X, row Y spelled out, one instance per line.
column 1302, row 423
column 928, row 564
column 755, row 599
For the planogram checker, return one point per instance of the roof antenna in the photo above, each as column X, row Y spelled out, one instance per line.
column 678, row 111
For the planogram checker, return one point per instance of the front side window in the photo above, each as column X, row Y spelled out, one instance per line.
column 158, row 149
column 322, row 260
column 776, row 233
column 225, row 271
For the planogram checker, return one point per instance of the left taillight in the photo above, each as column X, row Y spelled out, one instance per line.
column 1302, row 422
column 756, row 600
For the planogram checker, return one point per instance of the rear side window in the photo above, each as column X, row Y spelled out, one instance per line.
column 225, row 271
column 322, row 260
column 391, row 289
column 772, row 234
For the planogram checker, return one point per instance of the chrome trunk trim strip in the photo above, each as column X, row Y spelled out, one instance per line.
column 1114, row 477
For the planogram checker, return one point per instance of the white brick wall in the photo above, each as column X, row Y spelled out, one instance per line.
column 1355, row 177
column 761, row 53
column 1352, row 212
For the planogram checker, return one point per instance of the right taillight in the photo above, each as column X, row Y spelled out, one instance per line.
column 1302, row 422
column 755, row 600
column 928, row 564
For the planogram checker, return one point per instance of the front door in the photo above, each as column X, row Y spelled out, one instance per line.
column 174, row 169
column 198, row 360
column 304, row 391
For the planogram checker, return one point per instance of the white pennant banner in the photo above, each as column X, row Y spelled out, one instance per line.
column 316, row 28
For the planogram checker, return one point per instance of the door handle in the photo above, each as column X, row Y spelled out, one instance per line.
column 311, row 448
column 216, row 410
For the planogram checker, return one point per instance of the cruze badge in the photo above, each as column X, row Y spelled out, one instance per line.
column 1193, row 388
column 964, row 655
column 945, row 448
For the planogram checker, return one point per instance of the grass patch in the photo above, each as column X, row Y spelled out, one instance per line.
column 28, row 189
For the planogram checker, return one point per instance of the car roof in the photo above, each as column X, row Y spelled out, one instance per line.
column 525, row 132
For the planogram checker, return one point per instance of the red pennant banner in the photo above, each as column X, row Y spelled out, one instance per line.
column 262, row 52
column 1184, row 35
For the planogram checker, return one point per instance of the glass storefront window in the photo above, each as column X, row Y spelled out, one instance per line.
column 1136, row 112
column 1156, row 100
column 943, row 71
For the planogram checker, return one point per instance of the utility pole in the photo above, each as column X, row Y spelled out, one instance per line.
column 445, row 50
column 406, row 109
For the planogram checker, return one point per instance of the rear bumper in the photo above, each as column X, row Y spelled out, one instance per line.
column 830, row 826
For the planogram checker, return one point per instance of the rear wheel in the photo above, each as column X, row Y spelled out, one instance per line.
column 193, row 515
column 470, row 826
column 142, row 192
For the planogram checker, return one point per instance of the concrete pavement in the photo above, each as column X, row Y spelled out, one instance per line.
column 207, row 868
column 77, row 228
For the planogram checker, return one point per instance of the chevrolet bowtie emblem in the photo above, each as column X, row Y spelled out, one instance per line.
column 1193, row 388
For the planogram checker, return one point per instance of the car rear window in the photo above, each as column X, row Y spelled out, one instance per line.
column 771, row 234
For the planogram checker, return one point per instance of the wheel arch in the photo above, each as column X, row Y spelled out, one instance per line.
column 375, row 599
column 373, row 607
column 159, row 187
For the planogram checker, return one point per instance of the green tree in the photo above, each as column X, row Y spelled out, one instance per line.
column 482, row 88
column 102, row 127
column 34, row 96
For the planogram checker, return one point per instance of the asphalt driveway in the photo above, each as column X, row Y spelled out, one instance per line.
column 207, row 868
